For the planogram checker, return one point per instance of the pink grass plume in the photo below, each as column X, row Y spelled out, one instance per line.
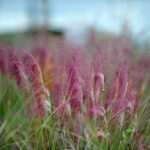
column 37, row 87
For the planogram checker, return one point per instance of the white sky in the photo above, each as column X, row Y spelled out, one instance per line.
column 77, row 14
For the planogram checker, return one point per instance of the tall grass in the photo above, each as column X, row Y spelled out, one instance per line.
column 75, row 99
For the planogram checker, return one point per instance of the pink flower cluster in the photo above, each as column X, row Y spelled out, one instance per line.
column 26, row 71
column 85, row 85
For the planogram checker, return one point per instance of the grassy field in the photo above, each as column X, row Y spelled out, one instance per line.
column 91, row 97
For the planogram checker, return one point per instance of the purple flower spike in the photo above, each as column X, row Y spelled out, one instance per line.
column 98, row 78
column 17, row 68
column 111, row 94
column 98, row 85
column 116, row 96
column 123, row 79
column 34, row 76
column 75, row 90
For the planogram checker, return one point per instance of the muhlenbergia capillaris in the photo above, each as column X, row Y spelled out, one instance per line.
column 75, row 97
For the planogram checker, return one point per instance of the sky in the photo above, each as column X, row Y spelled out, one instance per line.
column 76, row 15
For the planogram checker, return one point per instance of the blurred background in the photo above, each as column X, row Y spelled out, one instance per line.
column 73, row 18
